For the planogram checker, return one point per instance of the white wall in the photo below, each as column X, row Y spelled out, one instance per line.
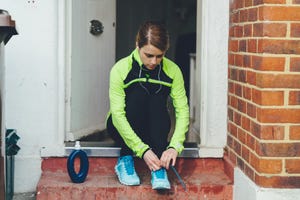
column 245, row 189
column 32, row 84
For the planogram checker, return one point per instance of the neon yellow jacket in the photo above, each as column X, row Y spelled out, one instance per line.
column 117, row 94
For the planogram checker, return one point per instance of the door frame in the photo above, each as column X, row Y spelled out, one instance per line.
column 211, row 64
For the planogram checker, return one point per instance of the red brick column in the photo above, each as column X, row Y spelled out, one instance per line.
column 264, row 91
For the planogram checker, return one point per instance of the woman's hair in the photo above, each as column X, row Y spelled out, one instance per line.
column 153, row 33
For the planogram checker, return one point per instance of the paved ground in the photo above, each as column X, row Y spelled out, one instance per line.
column 24, row 196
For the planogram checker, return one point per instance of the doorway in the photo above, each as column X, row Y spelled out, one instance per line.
column 179, row 17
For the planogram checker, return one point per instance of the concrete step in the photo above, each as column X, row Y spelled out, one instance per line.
column 204, row 179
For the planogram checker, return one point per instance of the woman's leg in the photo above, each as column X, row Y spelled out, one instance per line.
column 159, row 124
column 125, row 150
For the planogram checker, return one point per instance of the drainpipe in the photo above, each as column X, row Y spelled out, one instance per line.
column 7, row 30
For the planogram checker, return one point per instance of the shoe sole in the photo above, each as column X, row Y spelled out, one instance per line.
column 161, row 188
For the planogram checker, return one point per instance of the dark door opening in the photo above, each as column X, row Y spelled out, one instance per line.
column 180, row 19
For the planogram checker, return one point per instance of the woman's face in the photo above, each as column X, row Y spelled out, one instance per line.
column 150, row 56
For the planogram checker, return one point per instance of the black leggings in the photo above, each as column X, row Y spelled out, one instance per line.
column 149, row 118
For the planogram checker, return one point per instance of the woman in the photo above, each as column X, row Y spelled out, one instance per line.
column 140, row 85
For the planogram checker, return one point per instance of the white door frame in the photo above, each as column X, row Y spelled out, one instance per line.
column 211, row 63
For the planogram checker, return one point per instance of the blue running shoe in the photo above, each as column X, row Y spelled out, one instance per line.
column 126, row 172
column 160, row 180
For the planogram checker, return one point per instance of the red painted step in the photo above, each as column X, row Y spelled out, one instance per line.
column 204, row 179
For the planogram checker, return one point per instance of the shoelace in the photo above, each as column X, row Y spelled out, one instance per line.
column 128, row 164
column 160, row 173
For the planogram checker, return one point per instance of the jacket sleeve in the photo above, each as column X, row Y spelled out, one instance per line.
column 117, row 109
column 180, row 103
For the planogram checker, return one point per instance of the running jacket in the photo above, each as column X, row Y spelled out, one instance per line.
column 121, row 79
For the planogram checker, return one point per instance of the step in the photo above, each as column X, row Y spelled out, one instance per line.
column 204, row 179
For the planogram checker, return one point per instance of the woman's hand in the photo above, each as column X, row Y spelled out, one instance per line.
column 152, row 160
column 167, row 156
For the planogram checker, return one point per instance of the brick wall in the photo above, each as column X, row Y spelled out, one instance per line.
column 264, row 91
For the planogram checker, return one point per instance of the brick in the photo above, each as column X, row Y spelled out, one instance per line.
column 233, row 74
column 242, row 76
column 257, row 2
column 266, row 80
column 269, row 166
column 295, row 132
column 268, row 98
column 279, row 46
column 237, row 147
column 243, row 16
column 267, row 132
column 248, row 30
column 251, row 77
column 236, row 17
column 238, row 90
column 251, row 142
column 278, row 181
column 231, row 87
column 237, row 118
column 251, row 110
column 238, row 31
column 240, row 163
column 233, row 45
column 232, row 129
column 241, row 106
column 295, row 64
column 272, row 132
column 258, row 29
column 230, row 59
column 232, row 156
column 239, row 4
column 231, row 30
column 268, row 63
column 279, row 13
column 253, row 14
column 294, row 97
column 242, row 45
column 279, row 149
column 242, row 136
column 292, row 166
column 296, row 1
column 247, row 61
column 246, row 153
column 247, row 93
column 255, row 129
column 248, row 3
column 249, row 172
column 233, row 102
column 230, row 114
column 238, row 60
column 246, row 123
column 252, row 46
column 295, row 30
column 269, row 29
column 269, row 115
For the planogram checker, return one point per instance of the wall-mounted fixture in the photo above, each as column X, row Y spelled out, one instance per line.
column 96, row 27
